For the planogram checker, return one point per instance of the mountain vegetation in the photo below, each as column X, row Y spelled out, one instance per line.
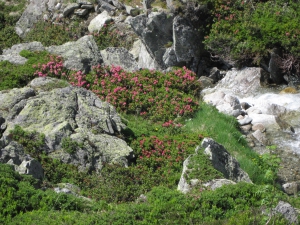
column 165, row 120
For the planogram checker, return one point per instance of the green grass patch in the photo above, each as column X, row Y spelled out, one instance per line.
column 16, row 76
column 224, row 130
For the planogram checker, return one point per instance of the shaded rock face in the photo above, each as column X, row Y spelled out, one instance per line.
column 67, row 112
column 79, row 55
column 224, row 162
column 170, row 41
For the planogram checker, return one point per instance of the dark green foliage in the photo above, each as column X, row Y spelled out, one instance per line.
column 18, row 195
column 70, row 146
column 31, row 141
column 247, row 30
column 9, row 15
column 51, row 34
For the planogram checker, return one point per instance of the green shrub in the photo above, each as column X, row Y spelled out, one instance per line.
column 247, row 30
column 70, row 146
column 9, row 15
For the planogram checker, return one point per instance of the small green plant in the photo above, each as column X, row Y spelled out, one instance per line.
column 70, row 146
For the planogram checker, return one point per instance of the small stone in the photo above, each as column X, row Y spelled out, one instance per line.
column 246, row 128
column 240, row 117
column 290, row 188
column 70, row 8
column 261, row 137
column 81, row 12
column 259, row 126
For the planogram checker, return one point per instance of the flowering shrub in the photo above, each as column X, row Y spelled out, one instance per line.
column 164, row 152
column 151, row 94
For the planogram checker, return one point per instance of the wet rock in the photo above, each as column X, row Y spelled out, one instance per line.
column 206, row 82
column 246, row 128
column 259, row 126
column 245, row 105
column 215, row 74
column 274, row 67
column 261, row 137
column 284, row 125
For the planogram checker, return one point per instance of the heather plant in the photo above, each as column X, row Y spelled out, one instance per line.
column 151, row 94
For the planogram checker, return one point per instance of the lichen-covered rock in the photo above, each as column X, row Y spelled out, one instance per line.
column 79, row 55
column 288, row 211
column 224, row 162
column 12, row 54
column 119, row 57
column 32, row 14
column 60, row 113
column 70, row 8
column 217, row 183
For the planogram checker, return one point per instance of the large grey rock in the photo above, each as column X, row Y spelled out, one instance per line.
column 31, row 167
column 32, row 14
column 224, row 162
column 242, row 82
column 145, row 60
column 119, row 57
column 70, row 8
column 79, row 55
column 155, row 32
column 287, row 211
column 12, row 54
column 186, row 41
column 183, row 184
column 67, row 112
column 98, row 22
